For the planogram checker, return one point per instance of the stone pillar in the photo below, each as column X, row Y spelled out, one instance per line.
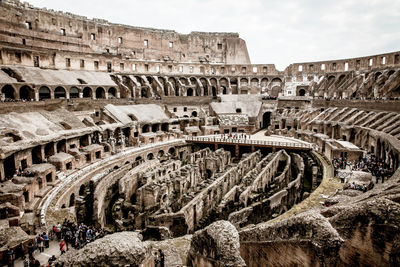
column 237, row 151
column 2, row 174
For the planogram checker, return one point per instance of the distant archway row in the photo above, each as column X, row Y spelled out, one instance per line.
column 26, row 92
column 138, row 87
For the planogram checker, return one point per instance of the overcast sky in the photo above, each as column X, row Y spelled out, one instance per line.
column 276, row 31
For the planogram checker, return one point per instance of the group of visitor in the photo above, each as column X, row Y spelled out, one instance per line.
column 75, row 235
column 67, row 233
column 236, row 136
column 367, row 163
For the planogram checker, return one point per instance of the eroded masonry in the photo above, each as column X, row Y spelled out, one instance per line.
column 176, row 143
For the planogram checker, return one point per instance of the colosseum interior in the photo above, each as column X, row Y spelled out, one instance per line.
column 176, row 144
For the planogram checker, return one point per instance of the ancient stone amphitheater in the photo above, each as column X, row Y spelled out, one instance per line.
column 176, row 143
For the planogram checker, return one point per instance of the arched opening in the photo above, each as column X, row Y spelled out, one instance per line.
column 166, row 90
column 150, row 156
column 254, row 82
column 112, row 93
column 208, row 174
column 100, row 92
column 244, row 82
column 266, row 119
column 26, row 93
column 302, row 92
column 160, row 154
column 264, row 82
column 275, row 91
column 72, row 200
column 59, row 92
column 145, row 128
column 8, row 91
column 194, row 114
column 189, row 92
column 155, row 127
column 143, row 93
column 44, row 93
column 205, row 90
column 87, row 92
column 138, row 158
column 214, row 91
column 171, row 151
column 74, row 92
column 224, row 91
column 82, row 190
column 164, row 127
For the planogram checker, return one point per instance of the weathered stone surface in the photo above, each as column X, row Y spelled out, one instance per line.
column 362, row 229
column 119, row 249
column 300, row 240
column 216, row 245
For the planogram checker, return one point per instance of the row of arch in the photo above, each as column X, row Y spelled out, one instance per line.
column 337, row 85
column 26, row 92
column 141, row 87
column 194, row 86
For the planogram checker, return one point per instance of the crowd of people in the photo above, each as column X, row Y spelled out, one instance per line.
column 366, row 163
column 75, row 235
column 67, row 234
column 234, row 136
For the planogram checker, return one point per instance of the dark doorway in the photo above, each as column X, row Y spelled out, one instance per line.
column 143, row 93
column 49, row 149
column 74, row 92
column 302, row 92
column 87, row 92
column 37, row 155
column 44, row 93
column 69, row 165
column 9, row 166
column 24, row 164
column 72, row 200
column 100, row 93
column 26, row 93
column 49, row 178
column 189, row 92
column 214, row 91
column 61, row 146
column 266, row 119
column 26, row 196
column 59, row 92
column 8, row 92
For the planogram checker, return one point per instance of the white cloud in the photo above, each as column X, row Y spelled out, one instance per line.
column 279, row 32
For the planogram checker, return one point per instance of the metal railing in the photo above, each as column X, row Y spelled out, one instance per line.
column 248, row 142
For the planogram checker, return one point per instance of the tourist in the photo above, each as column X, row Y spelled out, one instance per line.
column 39, row 243
column 46, row 239
column 62, row 246
column 31, row 249
column 10, row 256
column 161, row 257
column 51, row 260
column 25, row 261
